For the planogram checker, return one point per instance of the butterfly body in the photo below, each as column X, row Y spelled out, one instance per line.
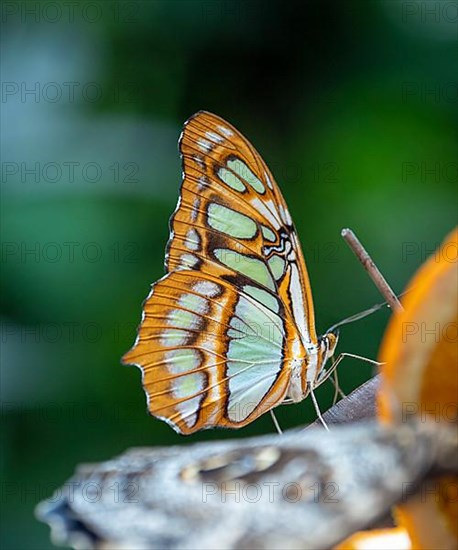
column 228, row 333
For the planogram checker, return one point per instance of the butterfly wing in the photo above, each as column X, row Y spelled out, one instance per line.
column 225, row 331
column 229, row 194
column 202, row 366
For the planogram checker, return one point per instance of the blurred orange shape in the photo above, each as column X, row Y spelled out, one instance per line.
column 377, row 539
column 420, row 380
column 430, row 517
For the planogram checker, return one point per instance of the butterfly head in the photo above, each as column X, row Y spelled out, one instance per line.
column 328, row 344
column 326, row 347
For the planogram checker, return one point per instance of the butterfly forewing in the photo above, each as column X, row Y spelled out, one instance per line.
column 225, row 331
column 230, row 203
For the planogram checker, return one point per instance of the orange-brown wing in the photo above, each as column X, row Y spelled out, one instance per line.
column 210, row 354
column 223, row 174
column 225, row 331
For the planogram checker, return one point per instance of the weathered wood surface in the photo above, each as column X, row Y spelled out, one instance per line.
column 303, row 489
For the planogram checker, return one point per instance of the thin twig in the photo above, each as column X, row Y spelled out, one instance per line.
column 360, row 404
column 373, row 271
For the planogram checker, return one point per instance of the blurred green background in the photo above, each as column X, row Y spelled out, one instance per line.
column 352, row 104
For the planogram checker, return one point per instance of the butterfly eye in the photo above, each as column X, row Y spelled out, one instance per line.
column 332, row 339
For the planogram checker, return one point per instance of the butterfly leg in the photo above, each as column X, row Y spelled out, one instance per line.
column 337, row 390
column 341, row 356
column 333, row 369
column 288, row 401
column 275, row 421
column 317, row 409
column 325, row 374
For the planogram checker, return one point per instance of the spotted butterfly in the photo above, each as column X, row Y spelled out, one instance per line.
column 229, row 332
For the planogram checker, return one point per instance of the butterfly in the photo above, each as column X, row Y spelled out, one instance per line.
column 229, row 332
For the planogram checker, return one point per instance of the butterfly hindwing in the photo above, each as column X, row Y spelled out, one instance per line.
column 210, row 354
column 223, row 333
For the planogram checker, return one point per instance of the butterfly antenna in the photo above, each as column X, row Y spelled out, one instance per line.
column 357, row 316
column 317, row 409
column 362, row 314
column 392, row 300
column 275, row 421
